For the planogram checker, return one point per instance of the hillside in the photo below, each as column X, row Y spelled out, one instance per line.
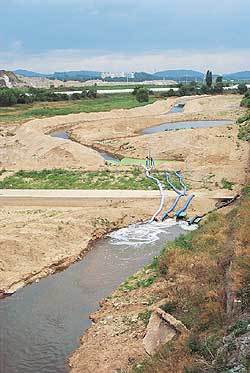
column 29, row 74
column 8, row 79
column 180, row 75
column 241, row 75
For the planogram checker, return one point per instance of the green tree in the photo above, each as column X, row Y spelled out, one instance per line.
column 204, row 89
column 7, row 97
column 137, row 87
column 142, row 95
column 209, row 78
column 92, row 92
column 242, row 88
column 76, row 96
column 219, row 79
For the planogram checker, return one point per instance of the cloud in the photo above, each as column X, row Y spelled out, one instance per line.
column 220, row 61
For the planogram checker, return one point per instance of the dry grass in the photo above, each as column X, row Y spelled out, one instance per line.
column 205, row 272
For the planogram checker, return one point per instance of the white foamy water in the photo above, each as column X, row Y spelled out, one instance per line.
column 145, row 234
column 184, row 225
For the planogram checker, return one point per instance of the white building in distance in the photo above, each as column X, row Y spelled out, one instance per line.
column 118, row 75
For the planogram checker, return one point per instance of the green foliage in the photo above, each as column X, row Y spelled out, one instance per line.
column 145, row 316
column 246, row 100
column 219, row 79
column 142, row 95
column 244, row 131
column 184, row 241
column 240, row 327
column 209, row 78
column 65, row 107
column 7, row 97
column 218, row 87
column 92, row 92
column 227, row 184
column 242, row 88
column 206, row 347
column 69, row 179
column 168, row 307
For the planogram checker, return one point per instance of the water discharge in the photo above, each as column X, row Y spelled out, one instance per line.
column 41, row 324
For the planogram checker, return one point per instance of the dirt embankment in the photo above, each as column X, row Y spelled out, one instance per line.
column 29, row 147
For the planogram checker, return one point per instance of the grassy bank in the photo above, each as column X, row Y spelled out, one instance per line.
column 24, row 112
column 65, row 179
column 204, row 279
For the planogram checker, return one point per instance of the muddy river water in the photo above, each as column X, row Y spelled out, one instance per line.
column 185, row 125
column 40, row 325
column 65, row 136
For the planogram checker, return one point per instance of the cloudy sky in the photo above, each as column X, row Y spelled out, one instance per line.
column 115, row 35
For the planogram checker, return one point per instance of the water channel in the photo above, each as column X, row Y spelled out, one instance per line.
column 185, row 125
column 65, row 136
column 40, row 325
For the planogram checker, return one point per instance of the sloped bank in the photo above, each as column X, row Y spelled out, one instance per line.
column 201, row 279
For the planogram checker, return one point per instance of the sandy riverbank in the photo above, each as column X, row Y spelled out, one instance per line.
column 28, row 147
column 38, row 240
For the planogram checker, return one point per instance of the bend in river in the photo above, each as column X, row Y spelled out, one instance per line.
column 65, row 136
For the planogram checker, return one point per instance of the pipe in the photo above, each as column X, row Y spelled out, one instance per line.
column 166, row 175
column 180, row 193
column 180, row 212
column 149, row 166
column 171, row 208
column 180, row 177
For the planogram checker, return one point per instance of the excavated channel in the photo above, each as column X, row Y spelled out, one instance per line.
column 106, row 156
column 40, row 325
column 186, row 125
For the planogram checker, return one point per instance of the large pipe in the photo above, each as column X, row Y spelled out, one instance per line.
column 171, row 208
column 179, row 193
column 180, row 212
column 180, row 177
column 166, row 175
column 149, row 166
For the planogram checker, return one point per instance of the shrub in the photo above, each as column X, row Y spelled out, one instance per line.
column 142, row 95
column 242, row 88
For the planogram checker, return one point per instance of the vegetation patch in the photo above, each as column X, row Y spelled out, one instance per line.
column 23, row 112
column 70, row 179
column 202, row 270
column 227, row 184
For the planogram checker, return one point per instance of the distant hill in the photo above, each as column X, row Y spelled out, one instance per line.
column 76, row 75
column 29, row 74
column 64, row 75
column 180, row 75
column 241, row 75
column 141, row 76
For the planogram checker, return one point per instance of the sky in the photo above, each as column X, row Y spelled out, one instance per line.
column 125, row 35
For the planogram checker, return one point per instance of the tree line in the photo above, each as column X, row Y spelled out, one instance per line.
column 13, row 96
